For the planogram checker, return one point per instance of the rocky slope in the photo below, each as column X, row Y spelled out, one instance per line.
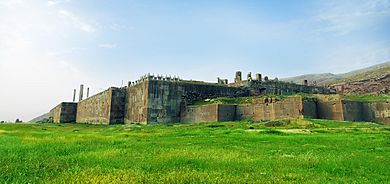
column 375, row 79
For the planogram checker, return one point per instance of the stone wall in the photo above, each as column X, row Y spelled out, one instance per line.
column 309, row 109
column 106, row 107
column 267, row 110
column 334, row 108
column 166, row 99
column 270, row 109
column 117, row 108
column 55, row 114
column 380, row 112
column 226, row 112
column 330, row 107
column 200, row 113
column 64, row 113
column 136, row 103
column 356, row 111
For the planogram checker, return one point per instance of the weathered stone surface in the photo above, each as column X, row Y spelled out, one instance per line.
column 136, row 106
column 330, row 107
column 335, row 108
column 266, row 110
column 380, row 111
column 106, row 107
column 166, row 99
column 200, row 113
column 226, row 112
column 290, row 107
column 65, row 112
column 309, row 109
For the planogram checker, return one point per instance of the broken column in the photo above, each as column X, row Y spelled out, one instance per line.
column 305, row 82
column 258, row 77
column 81, row 92
column 74, row 95
column 249, row 76
column 238, row 77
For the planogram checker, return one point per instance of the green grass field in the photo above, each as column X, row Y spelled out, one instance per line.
column 297, row 151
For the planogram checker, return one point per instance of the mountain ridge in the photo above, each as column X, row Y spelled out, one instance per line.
column 330, row 78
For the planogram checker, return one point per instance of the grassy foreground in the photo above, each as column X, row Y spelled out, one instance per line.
column 309, row 151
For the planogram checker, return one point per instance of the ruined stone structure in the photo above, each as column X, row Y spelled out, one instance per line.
column 65, row 112
column 157, row 99
column 335, row 108
column 263, row 108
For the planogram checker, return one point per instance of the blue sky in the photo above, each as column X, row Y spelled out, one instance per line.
column 49, row 47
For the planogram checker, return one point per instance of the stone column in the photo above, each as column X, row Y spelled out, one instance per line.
column 305, row 82
column 81, row 92
column 258, row 77
column 74, row 95
column 249, row 76
column 87, row 92
column 238, row 77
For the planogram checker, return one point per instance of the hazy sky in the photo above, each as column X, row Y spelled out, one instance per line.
column 49, row 47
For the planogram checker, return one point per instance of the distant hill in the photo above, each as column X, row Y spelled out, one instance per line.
column 376, row 70
column 319, row 78
column 41, row 118
column 374, row 79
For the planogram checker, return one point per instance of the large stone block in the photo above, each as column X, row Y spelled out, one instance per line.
column 200, row 113
column 65, row 112
column 106, row 107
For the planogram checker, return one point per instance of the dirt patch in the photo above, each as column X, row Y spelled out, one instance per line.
column 296, row 131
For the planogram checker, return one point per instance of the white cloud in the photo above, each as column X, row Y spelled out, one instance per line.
column 77, row 21
column 11, row 3
column 56, row 2
column 343, row 17
column 107, row 45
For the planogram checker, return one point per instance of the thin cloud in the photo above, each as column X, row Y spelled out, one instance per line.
column 107, row 45
column 77, row 21
column 341, row 17
column 56, row 2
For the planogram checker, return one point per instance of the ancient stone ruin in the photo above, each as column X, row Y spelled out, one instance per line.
column 159, row 99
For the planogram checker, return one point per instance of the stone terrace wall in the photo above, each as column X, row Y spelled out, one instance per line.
column 200, row 113
column 330, row 107
column 356, row 111
column 380, row 111
column 270, row 109
column 334, row 108
column 309, row 109
column 55, row 114
column 117, row 108
column 103, row 108
column 136, row 103
column 166, row 99
column 64, row 113
column 226, row 112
